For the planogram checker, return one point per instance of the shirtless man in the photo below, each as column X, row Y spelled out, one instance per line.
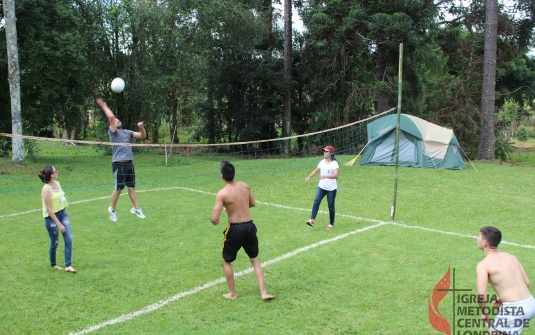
column 510, row 282
column 236, row 198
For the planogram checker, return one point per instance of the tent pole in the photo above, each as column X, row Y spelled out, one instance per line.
column 432, row 159
column 393, row 209
column 465, row 155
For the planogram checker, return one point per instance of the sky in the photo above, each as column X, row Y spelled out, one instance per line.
column 297, row 23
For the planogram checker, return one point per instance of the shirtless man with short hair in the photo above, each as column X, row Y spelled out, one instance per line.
column 510, row 282
column 236, row 198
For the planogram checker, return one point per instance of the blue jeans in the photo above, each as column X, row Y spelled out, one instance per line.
column 53, row 232
column 331, row 195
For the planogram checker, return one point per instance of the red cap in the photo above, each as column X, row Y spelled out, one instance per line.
column 329, row 148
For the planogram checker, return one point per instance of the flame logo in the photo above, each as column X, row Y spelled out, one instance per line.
column 437, row 320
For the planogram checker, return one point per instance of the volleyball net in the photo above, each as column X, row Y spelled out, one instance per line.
column 86, row 165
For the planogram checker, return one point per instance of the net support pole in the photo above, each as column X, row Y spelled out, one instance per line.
column 165, row 145
column 400, row 73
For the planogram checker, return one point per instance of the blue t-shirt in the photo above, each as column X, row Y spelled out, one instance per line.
column 121, row 152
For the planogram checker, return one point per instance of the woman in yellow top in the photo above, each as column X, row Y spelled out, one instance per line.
column 56, row 219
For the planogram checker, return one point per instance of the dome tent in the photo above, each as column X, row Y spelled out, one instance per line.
column 421, row 144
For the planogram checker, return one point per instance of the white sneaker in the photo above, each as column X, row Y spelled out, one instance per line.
column 138, row 212
column 113, row 215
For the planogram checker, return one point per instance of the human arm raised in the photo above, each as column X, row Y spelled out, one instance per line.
column 109, row 114
column 142, row 134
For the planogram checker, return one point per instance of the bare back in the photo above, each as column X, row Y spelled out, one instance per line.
column 237, row 198
column 506, row 275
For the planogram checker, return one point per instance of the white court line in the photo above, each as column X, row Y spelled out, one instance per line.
column 164, row 302
column 161, row 303
column 457, row 234
column 321, row 211
column 21, row 213
column 108, row 197
column 38, row 210
column 197, row 191
column 285, row 207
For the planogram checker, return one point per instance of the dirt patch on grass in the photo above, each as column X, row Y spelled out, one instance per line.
column 499, row 162
column 526, row 149
column 529, row 144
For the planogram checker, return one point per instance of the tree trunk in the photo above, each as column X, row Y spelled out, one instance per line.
column 14, row 79
column 155, row 134
column 74, row 133
column 486, row 130
column 83, row 121
column 174, row 122
column 286, row 129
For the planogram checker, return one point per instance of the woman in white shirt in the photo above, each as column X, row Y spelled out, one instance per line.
column 328, row 168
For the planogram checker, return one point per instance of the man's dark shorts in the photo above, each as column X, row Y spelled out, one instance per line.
column 239, row 235
column 123, row 175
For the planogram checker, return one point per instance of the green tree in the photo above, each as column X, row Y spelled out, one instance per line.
column 55, row 78
column 453, row 98
column 243, row 82
column 351, row 54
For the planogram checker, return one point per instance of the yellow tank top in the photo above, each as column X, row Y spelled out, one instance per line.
column 58, row 199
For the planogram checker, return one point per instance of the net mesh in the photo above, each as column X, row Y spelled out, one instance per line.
column 87, row 164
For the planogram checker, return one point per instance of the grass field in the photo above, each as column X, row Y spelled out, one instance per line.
column 163, row 275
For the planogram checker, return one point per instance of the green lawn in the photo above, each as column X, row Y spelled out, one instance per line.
column 365, row 276
column 524, row 154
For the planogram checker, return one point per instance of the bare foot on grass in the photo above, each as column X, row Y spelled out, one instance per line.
column 70, row 269
column 230, row 296
column 267, row 297
column 57, row 267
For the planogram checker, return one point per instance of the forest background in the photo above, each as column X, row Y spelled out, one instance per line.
column 214, row 70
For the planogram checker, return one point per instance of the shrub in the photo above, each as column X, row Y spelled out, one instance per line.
column 503, row 148
column 522, row 134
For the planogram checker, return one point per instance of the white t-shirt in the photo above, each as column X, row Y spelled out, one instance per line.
column 328, row 184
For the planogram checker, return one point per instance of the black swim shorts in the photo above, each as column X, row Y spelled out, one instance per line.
column 123, row 175
column 239, row 235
